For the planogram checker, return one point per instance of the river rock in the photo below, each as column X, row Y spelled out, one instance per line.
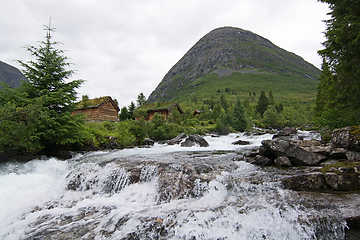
column 148, row 141
column 177, row 139
column 353, row 156
column 347, row 137
column 318, row 181
column 338, row 153
column 287, row 131
column 195, row 139
column 282, row 161
column 297, row 155
column 261, row 161
column 241, row 142
column 309, row 181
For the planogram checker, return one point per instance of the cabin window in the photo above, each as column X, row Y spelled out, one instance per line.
column 89, row 111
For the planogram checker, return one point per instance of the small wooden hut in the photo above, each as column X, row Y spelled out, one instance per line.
column 160, row 108
column 98, row 109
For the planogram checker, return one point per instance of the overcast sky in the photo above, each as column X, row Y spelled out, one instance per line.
column 124, row 47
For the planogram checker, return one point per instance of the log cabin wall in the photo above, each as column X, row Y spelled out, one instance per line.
column 104, row 112
column 152, row 113
column 107, row 112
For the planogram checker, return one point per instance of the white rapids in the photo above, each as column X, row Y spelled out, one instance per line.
column 232, row 200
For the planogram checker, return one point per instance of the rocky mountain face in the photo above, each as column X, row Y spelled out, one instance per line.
column 232, row 49
column 10, row 75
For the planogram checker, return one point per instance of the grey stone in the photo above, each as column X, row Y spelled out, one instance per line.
column 177, row 139
column 282, row 161
column 296, row 154
column 192, row 140
column 261, row 161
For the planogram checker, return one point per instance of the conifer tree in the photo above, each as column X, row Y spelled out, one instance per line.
column 262, row 103
column 53, row 95
column 240, row 121
column 271, row 98
column 338, row 100
column 141, row 99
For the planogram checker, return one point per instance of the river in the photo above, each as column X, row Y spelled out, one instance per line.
column 162, row 192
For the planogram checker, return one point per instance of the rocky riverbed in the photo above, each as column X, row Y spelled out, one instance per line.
column 218, row 191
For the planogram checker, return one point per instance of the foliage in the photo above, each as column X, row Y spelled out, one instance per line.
column 141, row 99
column 101, row 133
column 240, row 122
column 39, row 111
column 262, row 103
column 124, row 114
column 272, row 118
column 337, row 101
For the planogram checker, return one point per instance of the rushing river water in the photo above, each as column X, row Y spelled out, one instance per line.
column 162, row 192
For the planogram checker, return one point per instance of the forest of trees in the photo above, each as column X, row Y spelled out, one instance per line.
column 338, row 98
column 36, row 116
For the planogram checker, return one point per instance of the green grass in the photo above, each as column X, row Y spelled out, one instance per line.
column 285, row 87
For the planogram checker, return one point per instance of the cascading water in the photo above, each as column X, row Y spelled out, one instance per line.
column 163, row 192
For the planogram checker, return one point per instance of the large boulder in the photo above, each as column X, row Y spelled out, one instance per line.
column 323, row 181
column 309, row 181
column 177, row 139
column 347, row 137
column 296, row 154
column 192, row 140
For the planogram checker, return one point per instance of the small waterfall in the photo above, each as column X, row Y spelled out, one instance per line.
column 164, row 195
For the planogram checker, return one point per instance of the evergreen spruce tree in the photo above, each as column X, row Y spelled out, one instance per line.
column 131, row 109
column 240, row 121
column 338, row 100
column 262, row 103
column 141, row 99
column 53, row 95
column 271, row 98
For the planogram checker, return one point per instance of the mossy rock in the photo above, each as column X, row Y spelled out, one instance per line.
column 347, row 137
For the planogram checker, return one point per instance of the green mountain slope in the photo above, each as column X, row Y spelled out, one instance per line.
column 240, row 62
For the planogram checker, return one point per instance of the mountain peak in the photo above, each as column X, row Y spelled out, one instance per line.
column 10, row 75
column 235, row 49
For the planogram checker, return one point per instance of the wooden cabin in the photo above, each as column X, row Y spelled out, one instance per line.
column 98, row 109
column 161, row 108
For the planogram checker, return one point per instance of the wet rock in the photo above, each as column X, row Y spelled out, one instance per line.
column 338, row 153
column 353, row 156
column 296, row 154
column 309, row 181
column 347, row 137
column 192, row 140
column 148, row 141
column 241, row 142
column 318, row 181
column 262, row 161
column 282, row 161
column 287, row 131
column 177, row 139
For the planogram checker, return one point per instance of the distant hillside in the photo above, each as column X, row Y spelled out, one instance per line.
column 234, row 58
column 10, row 75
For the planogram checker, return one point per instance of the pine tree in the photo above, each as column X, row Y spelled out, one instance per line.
column 53, row 96
column 240, row 121
column 271, row 98
column 338, row 100
column 262, row 103
column 141, row 99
